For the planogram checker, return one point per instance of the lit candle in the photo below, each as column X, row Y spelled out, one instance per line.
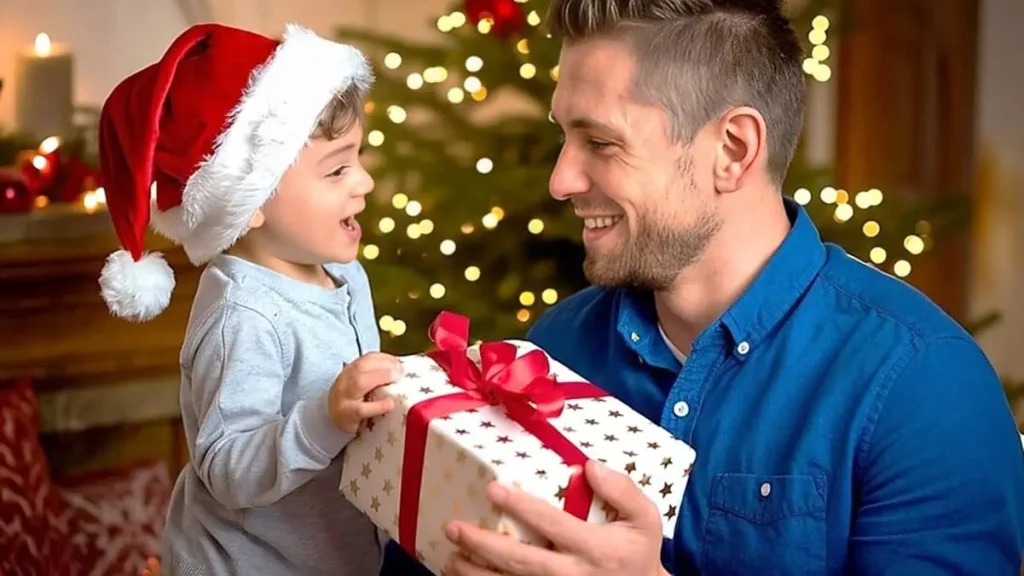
column 42, row 90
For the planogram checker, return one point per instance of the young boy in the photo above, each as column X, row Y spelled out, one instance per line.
column 251, row 149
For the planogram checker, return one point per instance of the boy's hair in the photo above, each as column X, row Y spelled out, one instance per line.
column 697, row 58
column 343, row 112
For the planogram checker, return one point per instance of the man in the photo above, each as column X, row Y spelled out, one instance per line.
column 842, row 422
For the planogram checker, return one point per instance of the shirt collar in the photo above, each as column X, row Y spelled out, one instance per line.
column 786, row 276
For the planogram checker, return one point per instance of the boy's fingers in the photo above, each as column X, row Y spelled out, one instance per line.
column 366, row 410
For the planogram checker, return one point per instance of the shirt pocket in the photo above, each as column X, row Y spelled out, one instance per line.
column 766, row 525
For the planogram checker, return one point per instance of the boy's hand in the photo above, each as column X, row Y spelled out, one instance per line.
column 346, row 401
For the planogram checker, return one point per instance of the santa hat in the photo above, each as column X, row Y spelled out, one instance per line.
column 196, row 143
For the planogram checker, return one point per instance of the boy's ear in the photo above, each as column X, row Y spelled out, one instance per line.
column 257, row 219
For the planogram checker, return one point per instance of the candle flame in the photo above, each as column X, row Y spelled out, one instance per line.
column 42, row 44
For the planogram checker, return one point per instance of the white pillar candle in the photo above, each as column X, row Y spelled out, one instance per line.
column 42, row 90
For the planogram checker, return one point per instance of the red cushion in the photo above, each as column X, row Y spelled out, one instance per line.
column 116, row 518
column 33, row 535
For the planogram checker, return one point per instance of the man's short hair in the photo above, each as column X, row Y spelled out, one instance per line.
column 698, row 58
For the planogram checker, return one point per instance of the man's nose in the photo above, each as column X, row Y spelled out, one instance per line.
column 568, row 178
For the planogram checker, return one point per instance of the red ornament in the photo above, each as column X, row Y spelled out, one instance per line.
column 15, row 193
column 507, row 16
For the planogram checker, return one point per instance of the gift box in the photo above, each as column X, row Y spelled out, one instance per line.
column 467, row 415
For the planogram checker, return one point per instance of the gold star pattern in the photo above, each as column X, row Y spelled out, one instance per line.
column 388, row 488
column 461, row 432
column 590, row 422
column 378, row 454
column 629, row 453
column 392, row 440
column 610, row 513
column 666, row 462
column 370, row 424
column 522, row 455
column 645, row 480
column 688, row 470
column 448, row 476
column 375, row 503
column 598, row 400
column 542, row 474
column 504, row 439
column 574, row 407
column 653, row 445
column 426, row 390
column 497, row 462
column 630, row 467
column 633, row 429
column 353, row 487
column 432, row 544
column 366, row 470
column 671, row 513
column 610, row 438
column 471, row 490
column 401, row 398
column 562, row 491
column 481, row 472
column 460, row 456
column 615, row 414
column 666, row 490
column 486, row 424
column 569, row 429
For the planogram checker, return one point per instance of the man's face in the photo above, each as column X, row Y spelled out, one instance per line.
column 647, row 204
column 311, row 220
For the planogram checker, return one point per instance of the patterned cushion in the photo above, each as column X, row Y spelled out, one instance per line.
column 33, row 533
column 116, row 518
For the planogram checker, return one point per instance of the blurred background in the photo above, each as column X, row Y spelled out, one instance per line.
column 912, row 158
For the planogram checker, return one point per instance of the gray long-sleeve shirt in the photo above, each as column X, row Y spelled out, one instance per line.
column 260, row 495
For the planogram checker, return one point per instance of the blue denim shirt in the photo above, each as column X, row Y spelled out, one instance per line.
column 842, row 421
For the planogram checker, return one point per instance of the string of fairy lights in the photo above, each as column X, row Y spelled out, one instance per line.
column 815, row 66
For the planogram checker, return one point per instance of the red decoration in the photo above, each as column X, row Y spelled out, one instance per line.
column 507, row 16
column 58, row 178
column 34, row 539
column 116, row 518
column 16, row 195
column 523, row 386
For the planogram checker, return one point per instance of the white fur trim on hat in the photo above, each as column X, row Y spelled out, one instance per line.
column 136, row 290
column 265, row 134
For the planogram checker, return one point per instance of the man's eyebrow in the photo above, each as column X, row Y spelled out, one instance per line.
column 585, row 123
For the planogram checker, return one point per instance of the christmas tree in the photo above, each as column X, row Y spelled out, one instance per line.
column 461, row 147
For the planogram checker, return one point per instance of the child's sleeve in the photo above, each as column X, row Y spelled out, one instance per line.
column 247, row 453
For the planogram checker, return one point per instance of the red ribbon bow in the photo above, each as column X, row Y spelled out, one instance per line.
column 523, row 386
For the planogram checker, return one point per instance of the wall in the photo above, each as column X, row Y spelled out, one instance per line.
column 997, row 275
column 112, row 38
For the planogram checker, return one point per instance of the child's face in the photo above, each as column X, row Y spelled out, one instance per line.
column 311, row 218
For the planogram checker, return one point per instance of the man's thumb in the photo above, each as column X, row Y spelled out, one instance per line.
column 621, row 493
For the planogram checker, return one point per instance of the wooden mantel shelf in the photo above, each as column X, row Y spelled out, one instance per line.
column 54, row 327
column 108, row 389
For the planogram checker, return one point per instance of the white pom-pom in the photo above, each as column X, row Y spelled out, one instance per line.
column 136, row 291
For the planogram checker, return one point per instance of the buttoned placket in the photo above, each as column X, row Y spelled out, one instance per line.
column 686, row 398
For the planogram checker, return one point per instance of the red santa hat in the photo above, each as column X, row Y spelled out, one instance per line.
column 196, row 143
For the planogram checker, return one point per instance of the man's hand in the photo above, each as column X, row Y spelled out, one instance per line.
column 346, row 402
column 630, row 545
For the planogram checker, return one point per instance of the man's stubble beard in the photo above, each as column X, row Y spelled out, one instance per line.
column 654, row 257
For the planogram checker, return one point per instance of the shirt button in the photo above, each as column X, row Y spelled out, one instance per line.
column 681, row 409
column 742, row 348
column 766, row 489
column 634, row 337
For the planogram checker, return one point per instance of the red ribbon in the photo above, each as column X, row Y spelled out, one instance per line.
column 523, row 386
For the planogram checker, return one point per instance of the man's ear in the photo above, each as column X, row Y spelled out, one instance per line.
column 257, row 219
column 742, row 146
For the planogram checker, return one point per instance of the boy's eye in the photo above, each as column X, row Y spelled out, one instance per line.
column 337, row 172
